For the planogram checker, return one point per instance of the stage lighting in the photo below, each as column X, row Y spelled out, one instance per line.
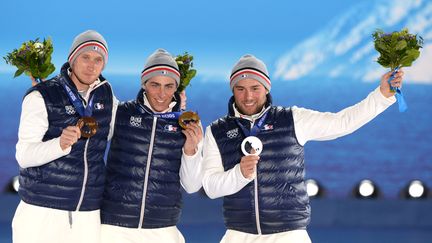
column 366, row 189
column 415, row 189
column 13, row 185
column 313, row 188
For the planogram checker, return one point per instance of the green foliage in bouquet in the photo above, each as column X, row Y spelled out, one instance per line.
column 185, row 65
column 33, row 58
column 397, row 49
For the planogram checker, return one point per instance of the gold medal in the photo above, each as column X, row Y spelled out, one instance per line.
column 88, row 126
column 188, row 117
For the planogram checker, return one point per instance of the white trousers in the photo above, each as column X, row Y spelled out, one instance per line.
column 294, row 236
column 116, row 234
column 34, row 224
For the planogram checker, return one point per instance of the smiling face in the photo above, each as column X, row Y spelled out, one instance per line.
column 160, row 91
column 249, row 96
column 86, row 69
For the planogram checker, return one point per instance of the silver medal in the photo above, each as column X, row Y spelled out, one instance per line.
column 251, row 145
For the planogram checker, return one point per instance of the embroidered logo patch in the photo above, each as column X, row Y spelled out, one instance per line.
column 70, row 110
column 98, row 106
column 170, row 128
column 232, row 133
column 135, row 121
column 267, row 127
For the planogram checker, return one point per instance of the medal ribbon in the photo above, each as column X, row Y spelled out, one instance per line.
column 255, row 129
column 399, row 96
column 167, row 115
column 77, row 103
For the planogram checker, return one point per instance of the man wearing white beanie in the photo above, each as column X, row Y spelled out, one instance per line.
column 263, row 189
column 150, row 159
column 64, row 127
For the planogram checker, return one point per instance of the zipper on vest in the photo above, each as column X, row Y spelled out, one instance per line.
column 256, row 204
column 149, row 156
column 85, row 176
column 70, row 219
column 257, row 220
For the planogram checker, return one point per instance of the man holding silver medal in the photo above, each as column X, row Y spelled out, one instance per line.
column 154, row 152
column 64, row 128
column 254, row 156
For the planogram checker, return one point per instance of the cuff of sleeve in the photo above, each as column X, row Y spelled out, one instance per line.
column 240, row 176
column 197, row 152
column 58, row 150
column 387, row 101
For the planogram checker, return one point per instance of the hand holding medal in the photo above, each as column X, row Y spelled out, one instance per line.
column 188, row 117
column 251, row 148
column 88, row 126
column 397, row 49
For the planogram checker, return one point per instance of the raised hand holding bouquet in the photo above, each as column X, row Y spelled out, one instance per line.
column 397, row 49
column 33, row 58
column 187, row 72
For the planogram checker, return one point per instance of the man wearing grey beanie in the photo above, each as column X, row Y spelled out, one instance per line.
column 254, row 156
column 150, row 159
column 62, row 137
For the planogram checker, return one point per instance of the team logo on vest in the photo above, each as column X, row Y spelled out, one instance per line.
column 170, row 128
column 232, row 133
column 135, row 121
column 267, row 127
column 98, row 106
column 70, row 110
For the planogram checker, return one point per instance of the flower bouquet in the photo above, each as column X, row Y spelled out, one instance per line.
column 33, row 58
column 187, row 72
column 397, row 49
column 185, row 65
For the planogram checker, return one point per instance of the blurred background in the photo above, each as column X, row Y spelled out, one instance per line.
column 320, row 55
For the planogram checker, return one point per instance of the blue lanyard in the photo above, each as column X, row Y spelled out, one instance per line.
column 399, row 96
column 166, row 115
column 77, row 103
column 255, row 129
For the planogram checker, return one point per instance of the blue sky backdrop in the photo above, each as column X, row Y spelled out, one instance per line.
column 294, row 38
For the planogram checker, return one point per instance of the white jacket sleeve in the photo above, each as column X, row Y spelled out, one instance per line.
column 191, row 170
column 217, row 182
column 30, row 150
column 113, row 117
column 313, row 125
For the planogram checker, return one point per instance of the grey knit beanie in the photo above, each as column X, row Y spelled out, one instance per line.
column 250, row 67
column 89, row 40
column 160, row 63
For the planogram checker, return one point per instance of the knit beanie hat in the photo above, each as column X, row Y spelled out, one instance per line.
column 89, row 40
column 250, row 67
column 160, row 63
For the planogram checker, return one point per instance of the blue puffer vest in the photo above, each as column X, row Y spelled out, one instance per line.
column 283, row 203
column 75, row 181
column 143, row 183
